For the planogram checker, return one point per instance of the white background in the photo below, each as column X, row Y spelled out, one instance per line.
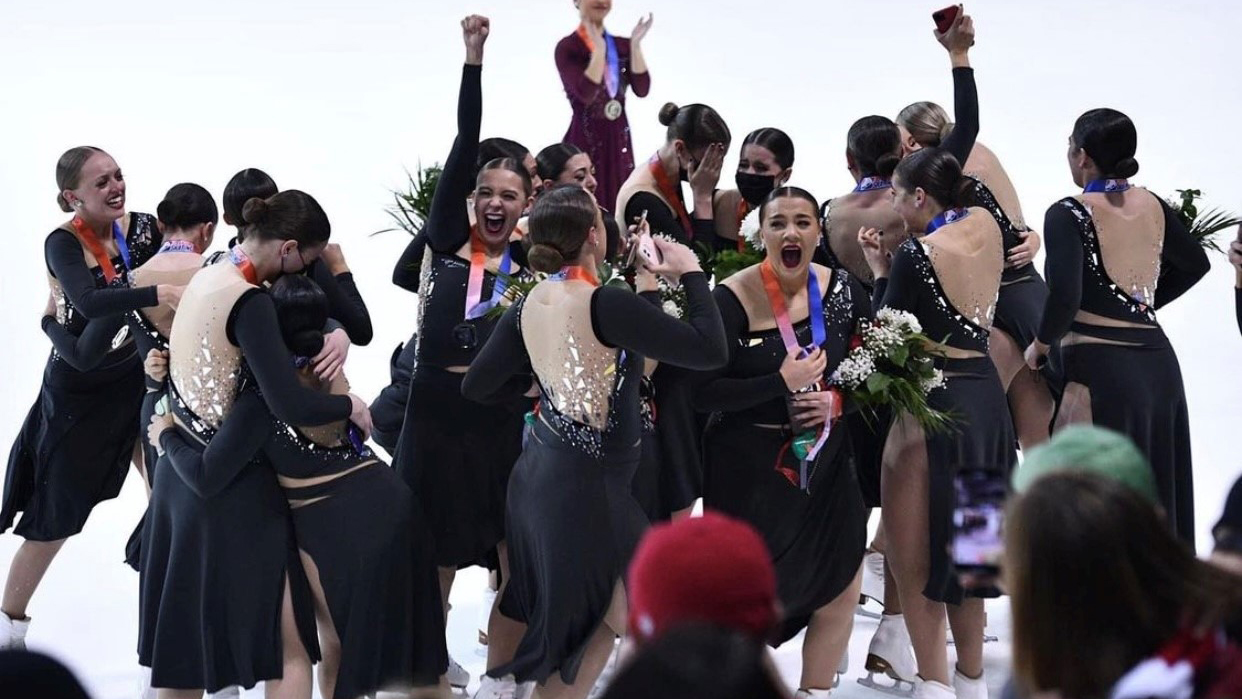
column 337, row 98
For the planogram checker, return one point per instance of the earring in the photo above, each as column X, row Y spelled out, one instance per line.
column 77, row 204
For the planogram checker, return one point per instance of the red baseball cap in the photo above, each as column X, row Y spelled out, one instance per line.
column 712, row 569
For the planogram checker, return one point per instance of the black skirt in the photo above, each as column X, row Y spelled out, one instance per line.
column 74, row 449
column 379, row 579
column 1019, row 308
column 1137, row 390
column 212, row 582
column 982, row 440
column 388, row 408
column 816, row 537
column 679, row 431
column 456, row 456
column 573, row 525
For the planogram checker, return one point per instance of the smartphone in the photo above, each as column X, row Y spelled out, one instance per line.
column 945, row 18
column 978, row 523
column 646, row 245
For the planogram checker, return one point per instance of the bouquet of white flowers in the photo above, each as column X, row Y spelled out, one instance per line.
column 890, row 364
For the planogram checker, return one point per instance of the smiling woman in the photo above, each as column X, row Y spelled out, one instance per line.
column 79, row 437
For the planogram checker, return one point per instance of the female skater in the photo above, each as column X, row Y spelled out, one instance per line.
column 948, row 277
column 353, row 519
column 765, row 163
column 572, row 522
column 1117, row 253
column 596, row 68
column 78, row 439
column 788, row 323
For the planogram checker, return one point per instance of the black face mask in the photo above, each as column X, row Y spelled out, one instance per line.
column 755, row 188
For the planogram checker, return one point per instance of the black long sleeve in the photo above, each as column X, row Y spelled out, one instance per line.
column 620, row 318
column 719, row 392
column 1063, row 272
column 84, row 352
column 961, row 140
column 1183, row 262
column 345, row 303
column 663, row 220
column 408, row 271
column 239, row 438
column 901, row 288
column 448, row 224
column 256, row 331
column 64, row 258
column 491, row 374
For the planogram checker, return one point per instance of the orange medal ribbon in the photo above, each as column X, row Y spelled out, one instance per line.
column 671, row 195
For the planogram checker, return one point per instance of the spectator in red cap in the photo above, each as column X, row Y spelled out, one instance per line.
column 711, row 569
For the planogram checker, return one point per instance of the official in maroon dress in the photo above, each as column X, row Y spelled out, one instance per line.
column 596, row 67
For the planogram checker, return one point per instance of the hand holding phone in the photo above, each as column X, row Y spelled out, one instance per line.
column 944, row 18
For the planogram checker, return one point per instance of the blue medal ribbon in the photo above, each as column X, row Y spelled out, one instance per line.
column 121, row 245
column 498, row 290
column 946, row 217
column 612, row 77
column 868, row 184
column 1109, row 185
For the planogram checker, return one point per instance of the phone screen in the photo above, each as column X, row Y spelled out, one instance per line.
column 978, row 522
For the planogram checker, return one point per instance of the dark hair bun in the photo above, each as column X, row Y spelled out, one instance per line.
column 1126, row 167
column 545, row 258
column 886, row 164
column 255, row 210
column 668, row 113
column 63, row 203
column 306, row 343
column 964, row 191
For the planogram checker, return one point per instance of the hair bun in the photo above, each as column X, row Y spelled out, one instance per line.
column 945, row 130
column 1126, row 167
column 886, row 164
column 668, row 113
column 255, row 210
column 63, row 203
column 306, row 343
column 545, row 258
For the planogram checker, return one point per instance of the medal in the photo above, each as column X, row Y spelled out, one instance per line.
column 612, row 110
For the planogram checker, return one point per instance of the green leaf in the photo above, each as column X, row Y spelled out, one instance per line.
column 878, row 382
column 899, row 354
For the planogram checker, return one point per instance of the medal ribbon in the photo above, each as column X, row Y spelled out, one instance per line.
column 91, row 241
column 1106, row 186
column 868, row 184
column 946, row 217
column 575, row 272
column 178, row 246
column 474, row 283
column 612, row 76
column 671, row 195
column 243, row 263
column 819, row 335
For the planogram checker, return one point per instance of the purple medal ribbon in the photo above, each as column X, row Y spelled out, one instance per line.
column 612, row 76
column 1107, row 186
column 946, row 217
column 868, row 184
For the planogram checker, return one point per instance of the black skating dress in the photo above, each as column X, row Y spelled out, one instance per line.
column 816, row 536
column 456, row 454
column 572, row 520
column 1136, row 386
column 76, row 444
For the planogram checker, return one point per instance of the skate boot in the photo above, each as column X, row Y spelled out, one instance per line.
column 872, row 584
column 605, row 676
column 457, row 676
column 926, row 689
column 842, row 668
column 226, row 693
column 13, row 632
column 145, row 690
column 891, row 655
column 813, row 694
column 497, row 687
column 967, row 688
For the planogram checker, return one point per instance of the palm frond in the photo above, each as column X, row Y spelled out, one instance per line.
column 1202, row 225
column 412, row 205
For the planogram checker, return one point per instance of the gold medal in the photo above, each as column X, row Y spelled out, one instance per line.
column 613, row 110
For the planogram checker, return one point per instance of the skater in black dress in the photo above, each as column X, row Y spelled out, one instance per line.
column 214, row 603
column 353, row 517
column 1116, row 254
column 765, row 163
column 948, row 276
column 695, row 144
column 571, row 519
column 789, row 322
column 455, row 453
column 1023, row 292
column 76, row 444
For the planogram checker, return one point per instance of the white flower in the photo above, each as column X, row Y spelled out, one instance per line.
column 672, row 309
column 936, row 381
column 854, row 369
column 900, row 321
column 749, row 230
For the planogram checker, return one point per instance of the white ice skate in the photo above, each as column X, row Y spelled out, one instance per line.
column 457, row 676
column 813, row 694
column 226, row 693
column 926, row 689
column 605, row 676
column 497, row 688
column 872, row 584
column 145, row 690
column 13, row 632
column 891, row 655
column 966, row 688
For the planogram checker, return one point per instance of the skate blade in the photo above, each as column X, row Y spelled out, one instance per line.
column 899, row 688
column 986, row 639
column 866, row 613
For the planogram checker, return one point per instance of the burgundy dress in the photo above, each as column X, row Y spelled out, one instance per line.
column 606, row 141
